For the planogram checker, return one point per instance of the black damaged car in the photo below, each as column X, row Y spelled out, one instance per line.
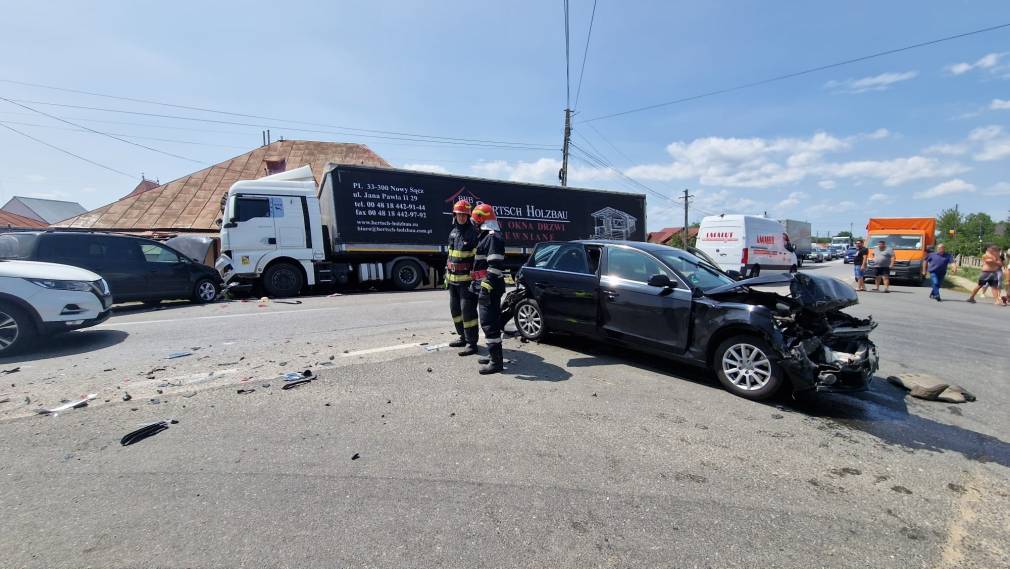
column 671, row 303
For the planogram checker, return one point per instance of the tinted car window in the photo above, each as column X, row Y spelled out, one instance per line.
column 251, row 208
column 541, row 256
column 570, row 258
column 17, row 246
column 157, row 254
column 68, row 249
column 633, row 265
column 120, row 252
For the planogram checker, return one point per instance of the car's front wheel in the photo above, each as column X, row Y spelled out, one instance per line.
column 747, row 367
column 205, row 291
column 529, row 319
column 16, row 330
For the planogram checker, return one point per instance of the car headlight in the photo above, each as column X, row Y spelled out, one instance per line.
column 81, row 286
column 102, row 286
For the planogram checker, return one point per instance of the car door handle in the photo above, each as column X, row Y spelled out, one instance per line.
column 611, row 295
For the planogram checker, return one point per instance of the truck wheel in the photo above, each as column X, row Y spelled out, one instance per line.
column 204, row 291
column 283, row 280
column 755, row 271
column 406, row 275
column 529, row 319
column 17, row 331
column 746, row 367
column 792, row 269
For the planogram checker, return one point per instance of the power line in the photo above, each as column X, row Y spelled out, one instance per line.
column 313, row 131
column 585, row 54
column 260, row 117
column 602, row 163
column 123, row 140
column 78, row 156
column 176, row 141
column 797, row 73
column 611, row 144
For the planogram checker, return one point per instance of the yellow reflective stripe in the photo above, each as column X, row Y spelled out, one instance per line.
column 457, row 319
column 470, row 323
column 458, row 278
column 457, row 254
column 486, row 285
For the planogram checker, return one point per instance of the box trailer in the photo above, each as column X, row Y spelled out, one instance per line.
column 799, row 236
column 370, row 225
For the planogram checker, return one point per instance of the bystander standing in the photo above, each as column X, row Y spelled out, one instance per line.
column 859, row 265
column 882, row 259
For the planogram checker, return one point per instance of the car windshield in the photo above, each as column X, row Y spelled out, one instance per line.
column 697, row 272
column 16, row 245
column 900, row 242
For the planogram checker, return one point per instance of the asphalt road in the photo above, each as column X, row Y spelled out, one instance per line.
column 579, row 456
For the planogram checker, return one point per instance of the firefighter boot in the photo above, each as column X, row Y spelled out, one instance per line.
column 470, row 350
column 457, row 343
column 496, row 364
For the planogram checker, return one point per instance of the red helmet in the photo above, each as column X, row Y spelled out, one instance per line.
column 462, row 206
column 481, row 213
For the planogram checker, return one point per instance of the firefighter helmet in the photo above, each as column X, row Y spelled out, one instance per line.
column 483, row 215
column 462, row 206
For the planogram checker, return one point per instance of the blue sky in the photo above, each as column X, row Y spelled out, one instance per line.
column 906, row 134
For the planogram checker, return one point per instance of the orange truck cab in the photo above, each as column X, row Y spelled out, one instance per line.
column 909, row 237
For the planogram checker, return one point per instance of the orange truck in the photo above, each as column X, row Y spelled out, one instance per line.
column 909, row 237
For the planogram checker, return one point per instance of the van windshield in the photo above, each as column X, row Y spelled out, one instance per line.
column 899, row 242
column 17, row 245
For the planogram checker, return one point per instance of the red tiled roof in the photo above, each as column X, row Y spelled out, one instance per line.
column 193, row 202
column 663, row 236
column 8, row 219
column 143, row 186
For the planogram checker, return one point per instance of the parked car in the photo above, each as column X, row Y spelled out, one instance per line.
column 837, row 251
column 135, row 268
column 670, row 303
column 42, row 299
column 816, row 256
column 850, row 255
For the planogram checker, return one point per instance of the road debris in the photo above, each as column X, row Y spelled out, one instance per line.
column 244, row 391
column 10, row 371
column 175, row 355
column 68, row 405
column 356, row 456
column 127, row 396
column 145, row 432
column 931, row 388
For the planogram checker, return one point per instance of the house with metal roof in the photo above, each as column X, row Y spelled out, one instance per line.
column 192, row 203
column 46, row 211
column 14, row 221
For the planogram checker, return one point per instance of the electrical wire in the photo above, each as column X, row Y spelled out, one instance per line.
column 585, row 54
column 124, row 135
column 260, row 117
column 123, row 140
column 313, row 131
column 63, row 150
column 796, row 73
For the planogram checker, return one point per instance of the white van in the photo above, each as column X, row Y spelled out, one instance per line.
column 748, row 244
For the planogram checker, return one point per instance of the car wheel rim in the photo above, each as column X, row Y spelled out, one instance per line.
column 9, row 330
column 408, row 275
column 207, row 291
column 529, row 320
column 746, row 367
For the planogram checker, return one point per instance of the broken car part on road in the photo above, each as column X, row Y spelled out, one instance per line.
column 145, row 432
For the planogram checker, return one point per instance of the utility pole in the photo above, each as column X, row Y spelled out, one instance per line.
column 563, row 174
column 687, row 200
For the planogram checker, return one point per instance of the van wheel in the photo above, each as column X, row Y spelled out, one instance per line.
column 529, row 319
column 792, row 269
column 755, row 271
column 17, row 331
column 283, row 280
column 204, row 291
column 747, row 367
column 406, row 275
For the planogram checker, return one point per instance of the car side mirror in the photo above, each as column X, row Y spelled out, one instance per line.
column 660, row 280
column 735, row 275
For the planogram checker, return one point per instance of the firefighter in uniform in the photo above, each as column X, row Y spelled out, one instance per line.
column 489, row 283
column 462, row 301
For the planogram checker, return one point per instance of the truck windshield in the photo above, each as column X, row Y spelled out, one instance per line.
column 16, row 245
column 899, row 242
column 694, row 270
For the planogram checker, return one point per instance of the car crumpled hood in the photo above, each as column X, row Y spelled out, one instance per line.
column 812, row 292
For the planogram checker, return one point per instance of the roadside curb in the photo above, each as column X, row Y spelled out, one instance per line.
column 960, row 282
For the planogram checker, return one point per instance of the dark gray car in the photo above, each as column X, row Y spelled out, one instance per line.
column 666, row 301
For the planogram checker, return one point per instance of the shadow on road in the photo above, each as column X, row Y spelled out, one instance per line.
column 69, row 344
column 531, row 367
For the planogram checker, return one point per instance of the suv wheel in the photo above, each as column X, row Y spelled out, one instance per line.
column 205, row 291
column 746, row 367
column 16, row 330
column 529, row 319
column 282, row 280
column 406, row 275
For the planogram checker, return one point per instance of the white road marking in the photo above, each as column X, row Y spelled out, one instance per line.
column 382, row 349
column 247, row 314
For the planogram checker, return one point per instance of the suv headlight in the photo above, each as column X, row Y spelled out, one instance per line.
column 81, row 286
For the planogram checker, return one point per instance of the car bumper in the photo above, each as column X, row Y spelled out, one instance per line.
column 842, row 361
column 67, row 325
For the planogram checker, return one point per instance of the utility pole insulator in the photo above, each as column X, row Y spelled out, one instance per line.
column 564, row 149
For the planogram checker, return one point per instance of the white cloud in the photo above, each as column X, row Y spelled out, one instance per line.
column 994, row 150
column 896, row 171
column 543, row 170
column 955, row 186
column 1000, row 105
column 830, row 208
column 35, row 178
column 985, row 133
column 998, row 189
column 948, row 149
column 878, row 134
column 434, row 168
column 792, row 200
column 988, row 61
column 827, row 184
column 89, row 190
column 880, row 199
column 880, row 82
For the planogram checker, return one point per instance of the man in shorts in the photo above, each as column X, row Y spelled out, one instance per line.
column 992, row 266
column 882, row 257
column 859, row 265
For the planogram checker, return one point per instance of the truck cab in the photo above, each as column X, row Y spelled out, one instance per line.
column 909, row 237
column 271, row 231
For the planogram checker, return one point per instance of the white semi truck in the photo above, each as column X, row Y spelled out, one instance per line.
column 366, row 225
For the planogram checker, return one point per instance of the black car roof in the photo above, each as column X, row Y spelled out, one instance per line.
column 640, row 245
column 102, row 233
